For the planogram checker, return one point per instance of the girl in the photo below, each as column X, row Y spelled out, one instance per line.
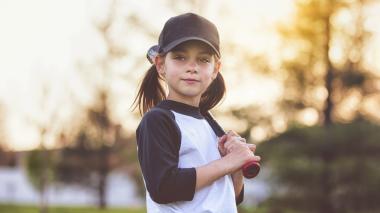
column 186, row 167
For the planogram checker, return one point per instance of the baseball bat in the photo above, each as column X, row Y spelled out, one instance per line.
column 250, row 169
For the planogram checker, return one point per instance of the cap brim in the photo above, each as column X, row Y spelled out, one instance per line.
column 175, row 43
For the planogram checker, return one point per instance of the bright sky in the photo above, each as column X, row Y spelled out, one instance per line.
column 40, row 42
column 37, row 43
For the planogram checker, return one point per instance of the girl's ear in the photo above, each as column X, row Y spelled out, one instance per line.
column 159, row 62
column 217, row 66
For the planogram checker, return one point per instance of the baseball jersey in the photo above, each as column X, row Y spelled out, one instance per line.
column 173, row 139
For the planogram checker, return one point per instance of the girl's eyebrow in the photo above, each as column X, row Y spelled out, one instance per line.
column 206, row 52
column 176, row 50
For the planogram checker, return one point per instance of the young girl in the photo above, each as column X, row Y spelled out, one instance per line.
column 186, row 167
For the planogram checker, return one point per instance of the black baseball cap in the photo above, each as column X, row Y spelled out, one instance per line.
column 185, row 27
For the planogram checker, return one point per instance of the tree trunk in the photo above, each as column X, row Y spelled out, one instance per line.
column 103, row 173
column 44, row 182
column 327, row 188
column 43, row 203
column 102, row 191
column 327, row 112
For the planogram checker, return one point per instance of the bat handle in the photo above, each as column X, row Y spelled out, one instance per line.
column 251, row 169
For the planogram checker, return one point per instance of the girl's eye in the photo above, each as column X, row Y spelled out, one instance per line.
column 179, row 57
column 205, row 60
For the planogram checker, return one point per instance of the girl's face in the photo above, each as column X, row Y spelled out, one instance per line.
column 188, row 70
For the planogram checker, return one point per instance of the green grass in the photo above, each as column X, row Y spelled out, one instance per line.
column 5, row 208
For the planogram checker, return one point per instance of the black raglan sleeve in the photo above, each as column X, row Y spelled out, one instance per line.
column 158, row 141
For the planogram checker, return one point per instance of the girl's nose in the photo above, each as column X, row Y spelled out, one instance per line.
column 192, row 66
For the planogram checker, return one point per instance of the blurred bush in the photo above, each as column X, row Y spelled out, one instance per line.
column 324, row 169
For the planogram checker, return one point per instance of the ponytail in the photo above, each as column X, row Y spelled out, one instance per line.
column 213, row 95
column 151, row 91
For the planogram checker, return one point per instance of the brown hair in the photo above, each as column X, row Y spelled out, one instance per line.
column 151, row 92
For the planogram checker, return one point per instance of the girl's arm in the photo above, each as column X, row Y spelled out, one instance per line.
column 238, row 154
column 237, row 176
column 207, row 174
column 158, row 140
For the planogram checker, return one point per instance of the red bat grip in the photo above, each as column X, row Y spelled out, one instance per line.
column 251, row 169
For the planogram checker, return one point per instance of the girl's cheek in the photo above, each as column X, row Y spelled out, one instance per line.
column 179, row 62
column 207, row 66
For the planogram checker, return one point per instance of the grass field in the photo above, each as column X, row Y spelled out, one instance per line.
column 4, row 208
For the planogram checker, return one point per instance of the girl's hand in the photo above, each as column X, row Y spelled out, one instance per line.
column 221, row 141
column 238, row 151
column 230, row 134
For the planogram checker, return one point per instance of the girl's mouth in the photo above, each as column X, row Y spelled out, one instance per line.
column 190, row 80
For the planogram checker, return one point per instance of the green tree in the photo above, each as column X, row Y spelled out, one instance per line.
column 98, row 147
column 316, row 167
column 297, row 162
column 41, row 161
column 316, row 80
column 323, row 68
column 2, row 131
column 7, row 157
column 314, row 77
column 39, row 166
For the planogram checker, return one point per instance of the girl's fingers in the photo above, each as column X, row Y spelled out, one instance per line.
column 257, row 158
column 252, row 147
column 222, row 139
column 232, row 133
column 228, row 146
column 221, row 142
column 229, row 141
column 222, row 151
column 231, row 144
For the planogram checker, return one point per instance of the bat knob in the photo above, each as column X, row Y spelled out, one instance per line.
column 251, row 169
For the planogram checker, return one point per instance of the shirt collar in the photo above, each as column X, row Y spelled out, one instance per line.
column 181, row 108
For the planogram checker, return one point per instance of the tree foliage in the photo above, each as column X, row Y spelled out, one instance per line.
column 98, row 148
column 305, row 160
column 316, row 77
column 329, row 167
column 38, row 162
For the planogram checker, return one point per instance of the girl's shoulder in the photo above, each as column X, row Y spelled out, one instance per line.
column 158, row 113
column 157, row 121
column 158, row 117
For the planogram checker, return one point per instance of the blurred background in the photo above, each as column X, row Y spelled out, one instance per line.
column 302, row 83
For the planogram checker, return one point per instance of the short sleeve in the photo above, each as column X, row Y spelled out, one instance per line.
column 158, row 140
